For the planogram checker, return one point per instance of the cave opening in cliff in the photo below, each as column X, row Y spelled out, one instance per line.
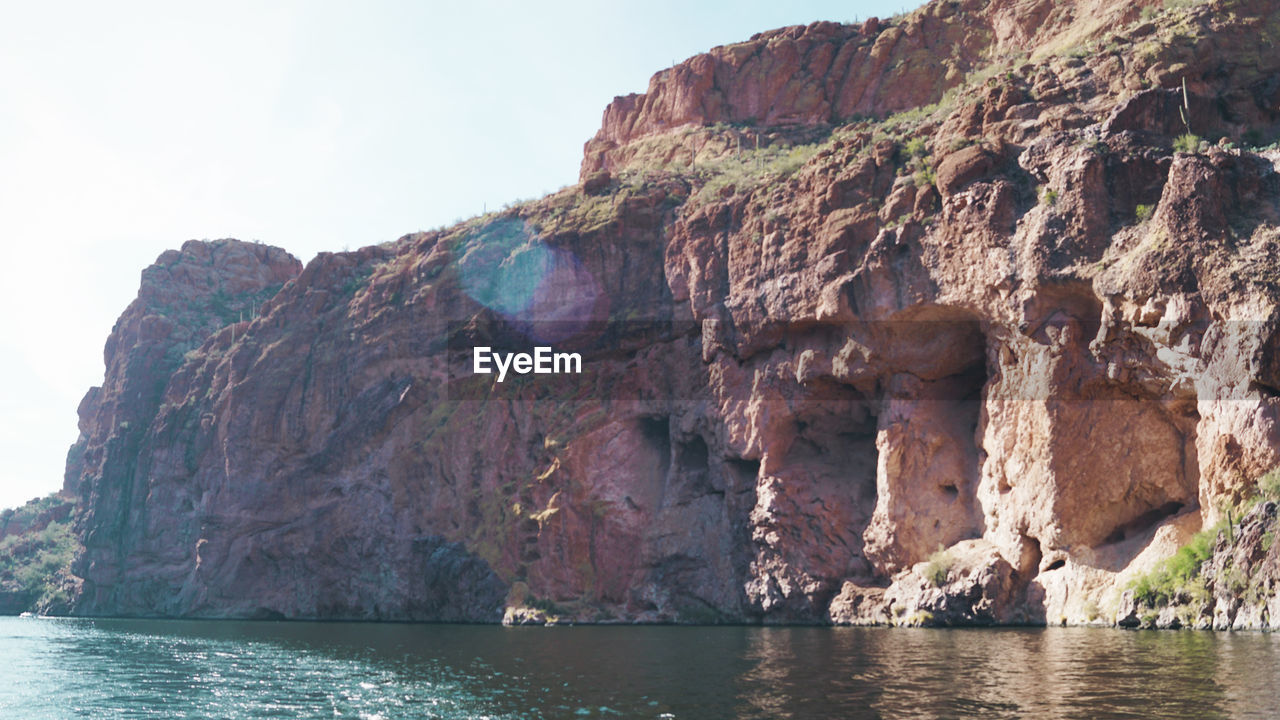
column 963, row 396
column 823, row 491
column 969, row 385
column 682, row 462
column 741, row 473
column 656, row 432
column 692, row 455
column 699, row 499
column 943, row 369
column 963, row 400
column 1143, row 522
column 927, row 449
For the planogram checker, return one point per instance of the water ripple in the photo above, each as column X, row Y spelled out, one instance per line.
column 60, row 669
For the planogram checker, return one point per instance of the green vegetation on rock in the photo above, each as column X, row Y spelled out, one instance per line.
column 939, row 567
column 752, row 168
column 1178, row 578
column 1187, row 143
column 36, row 551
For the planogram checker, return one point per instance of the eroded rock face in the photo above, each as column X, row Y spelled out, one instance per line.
column 827, row 73
column 184, row 297
column 979, row 363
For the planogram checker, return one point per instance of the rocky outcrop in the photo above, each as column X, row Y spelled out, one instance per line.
column 184, row 297
column 1233, row 588
column 828, row 73
column 981, row 361
column 36, row 550
column 35, row 516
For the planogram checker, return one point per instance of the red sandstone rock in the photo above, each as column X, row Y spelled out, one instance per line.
column 962, row 167
column 818, row 373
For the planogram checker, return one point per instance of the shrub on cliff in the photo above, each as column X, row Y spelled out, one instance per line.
column 1179, row 576
column 1269, row 486
column 925, row 176
column 1187, row 143
column 939, row 567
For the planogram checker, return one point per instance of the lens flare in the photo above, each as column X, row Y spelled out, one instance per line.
column 541, row 289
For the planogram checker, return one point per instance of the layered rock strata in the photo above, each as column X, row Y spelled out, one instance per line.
column 917, row 321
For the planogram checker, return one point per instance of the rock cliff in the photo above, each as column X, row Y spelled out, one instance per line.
column 965, row 316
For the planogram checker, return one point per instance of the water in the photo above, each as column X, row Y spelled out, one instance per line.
column 179, row 669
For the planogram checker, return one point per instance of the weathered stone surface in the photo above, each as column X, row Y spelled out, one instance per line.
column 812, row 379
column 963, row 167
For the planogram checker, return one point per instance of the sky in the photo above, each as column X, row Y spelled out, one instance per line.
column 127, row 128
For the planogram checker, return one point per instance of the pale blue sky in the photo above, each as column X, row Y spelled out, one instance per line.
column 127, row 128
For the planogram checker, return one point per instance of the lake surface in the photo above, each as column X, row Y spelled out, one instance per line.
column 59, row 668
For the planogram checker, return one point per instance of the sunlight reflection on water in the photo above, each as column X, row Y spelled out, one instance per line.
column 208, row 669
